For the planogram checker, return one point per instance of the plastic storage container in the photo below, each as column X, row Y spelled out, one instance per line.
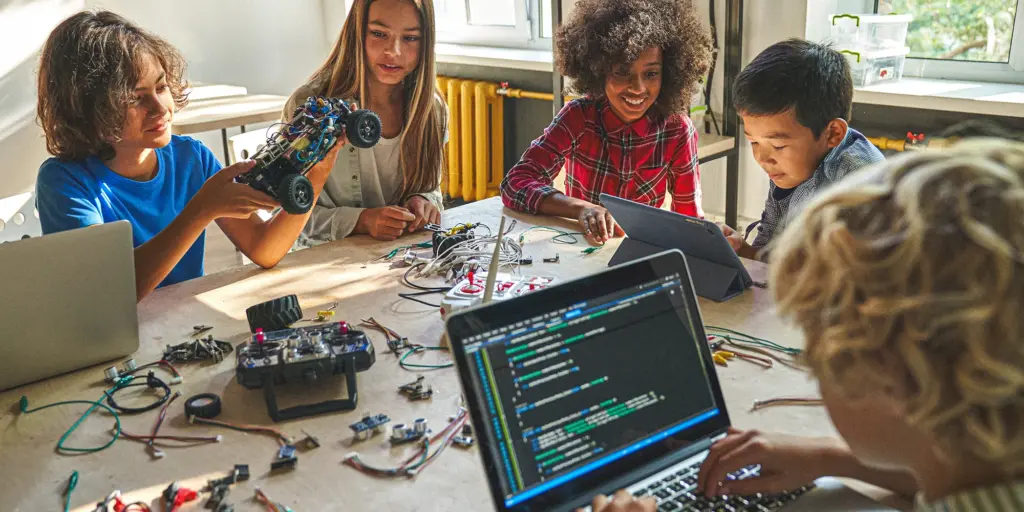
column 870, row 32
column 872, row 67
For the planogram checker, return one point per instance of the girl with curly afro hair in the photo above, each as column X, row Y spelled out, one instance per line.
column 636, row 63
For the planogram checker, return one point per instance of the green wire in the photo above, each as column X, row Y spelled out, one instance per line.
column 754, row 340
column 72, row 483
column 421, row 245
column 93, row 405
column 560, row 238
column 426, row 449
column 416, row 350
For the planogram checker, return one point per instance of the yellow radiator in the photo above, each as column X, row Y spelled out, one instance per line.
column 474, row 156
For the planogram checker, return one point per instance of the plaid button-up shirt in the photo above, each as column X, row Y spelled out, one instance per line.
column 638, row 161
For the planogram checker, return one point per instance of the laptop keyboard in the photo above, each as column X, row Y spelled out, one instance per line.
column 676, row 493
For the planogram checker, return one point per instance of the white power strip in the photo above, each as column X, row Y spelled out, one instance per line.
column 470, row 291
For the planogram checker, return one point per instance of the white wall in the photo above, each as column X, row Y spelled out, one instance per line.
column 24, row 25
column 764, row 23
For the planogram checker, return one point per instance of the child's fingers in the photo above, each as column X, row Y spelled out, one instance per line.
column 743, row 456
column 600, row 501
column 610, row 226
column 231, row 171
column 253, row 196
column 721, row 447
column 599, row 227
column 765, row 484
column 393, row 225
column 396, row 212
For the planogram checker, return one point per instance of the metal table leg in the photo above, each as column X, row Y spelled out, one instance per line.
column 224, row 139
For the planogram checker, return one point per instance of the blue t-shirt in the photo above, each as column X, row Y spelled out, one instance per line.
column 76, row 194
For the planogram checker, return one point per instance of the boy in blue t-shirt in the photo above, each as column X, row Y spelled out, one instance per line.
column 108, row 91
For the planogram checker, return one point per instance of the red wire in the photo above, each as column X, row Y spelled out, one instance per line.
column 459, row 421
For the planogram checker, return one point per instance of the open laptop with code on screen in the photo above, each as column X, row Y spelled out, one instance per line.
column 602, row 383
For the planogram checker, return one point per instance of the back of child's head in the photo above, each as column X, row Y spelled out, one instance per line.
column 603, row 35
column 811, row 78
column 89, row 68
column 908, row 281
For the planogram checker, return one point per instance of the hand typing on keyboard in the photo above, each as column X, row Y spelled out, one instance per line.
column 785, row 463
column 623, row 501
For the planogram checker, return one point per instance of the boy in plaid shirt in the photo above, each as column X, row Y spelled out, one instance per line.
column 637, row 62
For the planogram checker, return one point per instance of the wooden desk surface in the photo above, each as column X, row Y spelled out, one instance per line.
column 33, row 476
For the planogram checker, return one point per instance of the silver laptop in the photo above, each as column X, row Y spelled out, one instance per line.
column 68, row 301
column 602, row 383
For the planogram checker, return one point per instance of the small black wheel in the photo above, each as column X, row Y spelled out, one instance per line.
column 296, row 194
column 274, row 315
column 363, row 129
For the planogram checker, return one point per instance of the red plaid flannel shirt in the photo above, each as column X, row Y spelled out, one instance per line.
column 637, row 161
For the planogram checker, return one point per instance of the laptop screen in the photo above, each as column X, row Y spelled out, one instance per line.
column 577, row 384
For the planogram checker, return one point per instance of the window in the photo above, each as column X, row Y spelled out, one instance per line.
column 963, row 39
column 505, row 23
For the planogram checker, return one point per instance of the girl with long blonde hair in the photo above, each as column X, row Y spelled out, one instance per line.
column 383, row 61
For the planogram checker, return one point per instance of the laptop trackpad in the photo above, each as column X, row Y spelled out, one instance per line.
column 831, row 495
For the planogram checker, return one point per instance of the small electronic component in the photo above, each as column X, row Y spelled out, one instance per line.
column 310, row 441
column 555, row 259
column 174, row 496
column 302, row 356
column 112, row 374
column 416, row 391
column 402, row 433
column 443, row 242
column 369, row 426
column 463, row 441
column 467, row 429
column 241, row 472
column 218, row 494
column 285, row 459
column 470, row 291
column 197, row 350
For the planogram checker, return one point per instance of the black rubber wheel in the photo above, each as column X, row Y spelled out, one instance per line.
column 274, row 315
column 363, row 129
column 296, row 194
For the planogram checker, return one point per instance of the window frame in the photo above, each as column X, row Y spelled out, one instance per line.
column 526, row 35
column 975, row 71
